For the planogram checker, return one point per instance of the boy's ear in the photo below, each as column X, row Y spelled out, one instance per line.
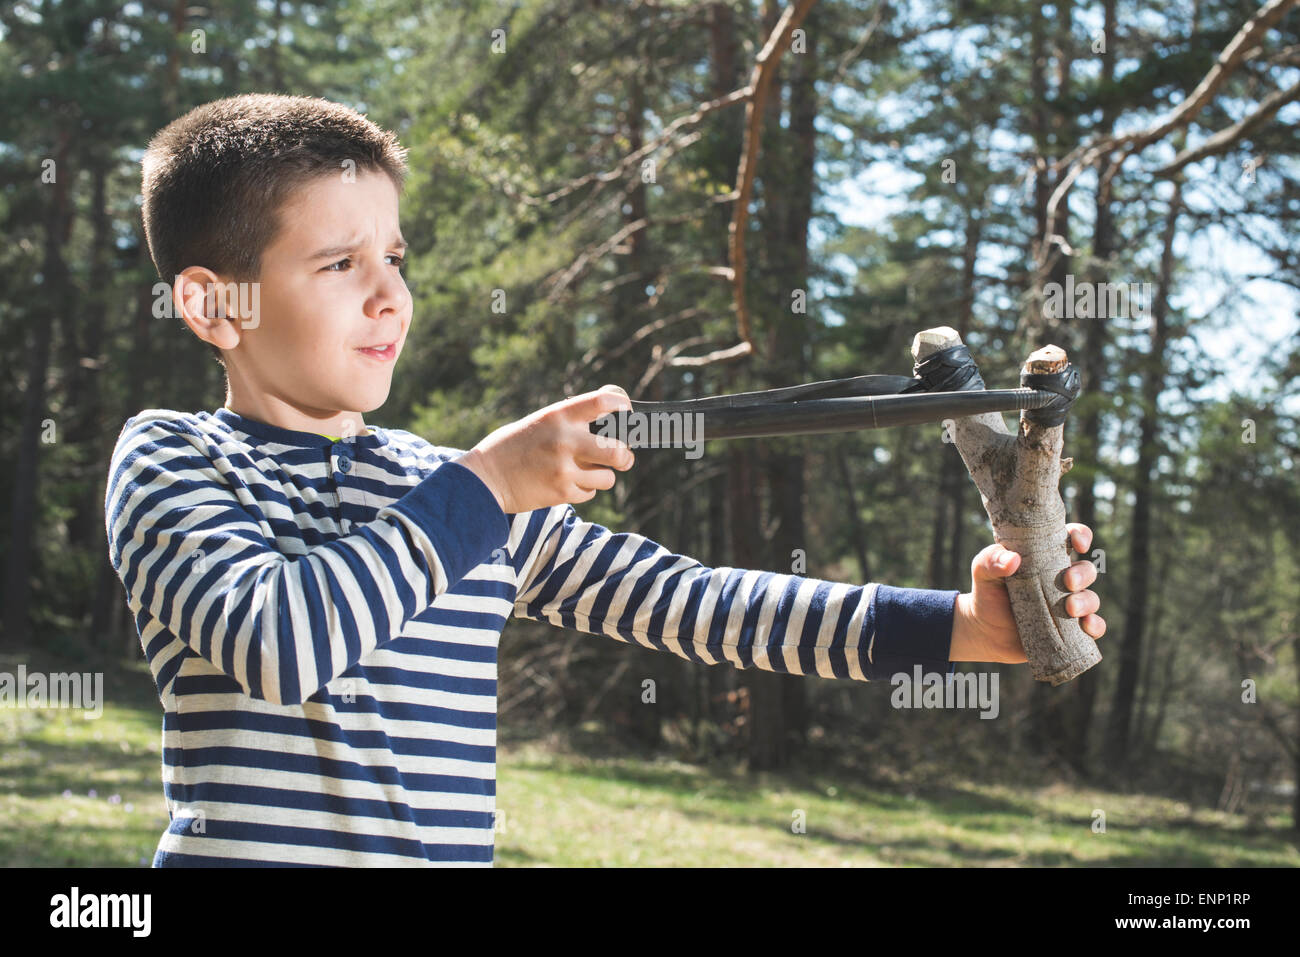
column 204, row 301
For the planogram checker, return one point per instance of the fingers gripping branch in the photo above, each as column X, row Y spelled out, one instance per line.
column 1018, row 478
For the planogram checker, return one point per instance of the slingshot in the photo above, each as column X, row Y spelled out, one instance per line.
column 1017, row 475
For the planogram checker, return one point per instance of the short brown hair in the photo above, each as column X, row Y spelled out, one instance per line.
column 214, row 180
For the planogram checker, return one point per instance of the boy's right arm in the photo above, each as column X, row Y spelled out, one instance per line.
column 194, row 558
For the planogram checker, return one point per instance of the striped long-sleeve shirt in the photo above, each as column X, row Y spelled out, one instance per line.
column 321, row 619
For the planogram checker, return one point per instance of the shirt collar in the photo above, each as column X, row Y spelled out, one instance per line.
column 309, row 440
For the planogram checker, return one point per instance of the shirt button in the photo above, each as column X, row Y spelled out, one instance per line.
column 345, row 463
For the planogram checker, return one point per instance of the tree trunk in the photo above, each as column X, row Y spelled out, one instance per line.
column 85, row 428
column 761, row 706
column 765, row 715
column 940, row 530
column 857, row 532
column 958, row 561
column 650, row 488
column 778, row 702
column 1139, row 577
column 1295, row 751
column 713, row 682
column 1062, row 141
column 56, row 299
column 948, row 559
column 1038, row 130
column 171, row 87
column 1093, row 373
column 119, row 628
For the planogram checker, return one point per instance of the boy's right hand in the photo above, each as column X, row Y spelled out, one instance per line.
column 552, row 457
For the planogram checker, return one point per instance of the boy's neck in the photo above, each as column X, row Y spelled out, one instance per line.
column 277, row 412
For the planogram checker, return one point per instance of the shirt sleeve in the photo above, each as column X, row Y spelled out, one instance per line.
column 192, row 552
column 579, row 575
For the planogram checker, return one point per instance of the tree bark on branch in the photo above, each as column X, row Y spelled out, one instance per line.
column 1018, row 477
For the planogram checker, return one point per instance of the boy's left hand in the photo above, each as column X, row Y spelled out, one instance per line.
column 982, row 626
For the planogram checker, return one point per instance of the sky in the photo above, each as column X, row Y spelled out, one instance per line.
column 1238, row 331
column 1237, row 335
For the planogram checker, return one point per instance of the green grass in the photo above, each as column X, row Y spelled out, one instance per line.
column 78, row 792
column 567, row 810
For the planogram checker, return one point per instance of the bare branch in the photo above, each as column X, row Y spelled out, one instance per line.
column 664, row 358
column 620, row 170
column 1223, row 139
column 1233, row 55
column 754, row 95
column 659, row 358
column 1272, row 277
column 719, row 355
column 1229, row 60
column 593, row 362
column 760, row 81
column 583, row 208
column 853, row 54
column 595, row 251
column 562, row 279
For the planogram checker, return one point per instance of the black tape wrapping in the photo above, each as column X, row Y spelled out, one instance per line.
column 948, row 370
column 1064, row 383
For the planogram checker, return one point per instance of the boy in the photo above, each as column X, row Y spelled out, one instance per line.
column 320, row 601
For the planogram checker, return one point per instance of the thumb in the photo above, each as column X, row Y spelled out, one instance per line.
column 993, row 563
column 619, row 393
column 592, row 405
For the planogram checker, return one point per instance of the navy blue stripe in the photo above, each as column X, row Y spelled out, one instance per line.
column 163, row 859
column 219, row 830
column 334, row 804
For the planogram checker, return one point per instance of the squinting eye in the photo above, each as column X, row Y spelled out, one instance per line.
column 401, row 261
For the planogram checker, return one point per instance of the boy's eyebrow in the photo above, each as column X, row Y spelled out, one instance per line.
column 352, row 246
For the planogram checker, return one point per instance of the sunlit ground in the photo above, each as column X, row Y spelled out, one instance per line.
column 87, row 793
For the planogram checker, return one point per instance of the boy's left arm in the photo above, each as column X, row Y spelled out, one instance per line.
column 579, row 575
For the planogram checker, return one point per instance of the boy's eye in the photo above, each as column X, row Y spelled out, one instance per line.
column 401, row 261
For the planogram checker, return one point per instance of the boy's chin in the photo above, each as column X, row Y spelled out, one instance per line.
column 364, row 401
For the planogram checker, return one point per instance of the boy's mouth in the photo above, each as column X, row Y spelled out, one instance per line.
column 384, row 353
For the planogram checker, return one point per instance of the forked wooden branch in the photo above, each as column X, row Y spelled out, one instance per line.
column 1018, row 477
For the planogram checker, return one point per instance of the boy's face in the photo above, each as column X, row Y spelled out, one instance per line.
column 329, row 286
